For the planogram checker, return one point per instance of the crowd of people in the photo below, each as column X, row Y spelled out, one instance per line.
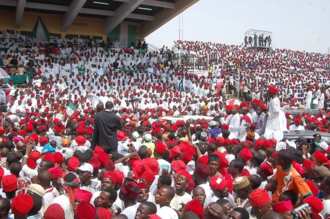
column 294, row 72
column 128, row 133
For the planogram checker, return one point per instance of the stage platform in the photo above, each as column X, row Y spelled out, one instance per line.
column 307, row 134
column 301, row 111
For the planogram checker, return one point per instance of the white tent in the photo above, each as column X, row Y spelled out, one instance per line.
column 3, row 74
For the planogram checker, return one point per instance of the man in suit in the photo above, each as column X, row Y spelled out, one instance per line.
column 105, row 131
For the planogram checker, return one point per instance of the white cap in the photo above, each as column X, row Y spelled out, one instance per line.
column 280, row 146
column 67, row 152
column 213, row 123
column 86, row 167
column 148, row 137
column 135, row 135
column 203, row 134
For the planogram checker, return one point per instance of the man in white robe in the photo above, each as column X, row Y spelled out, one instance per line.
column 276, row 121
column 308, row 101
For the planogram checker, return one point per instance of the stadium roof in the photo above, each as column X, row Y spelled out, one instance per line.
column 148, row 14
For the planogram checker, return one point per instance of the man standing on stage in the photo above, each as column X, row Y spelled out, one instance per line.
column 276, row 120
column 3, row 102
column 105, row 130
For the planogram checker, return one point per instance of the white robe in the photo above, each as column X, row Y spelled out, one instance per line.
column 276, row 121
column 234, row 126
column 309, row 97
column 64, row 202
column 166, row 212
column 321, row 101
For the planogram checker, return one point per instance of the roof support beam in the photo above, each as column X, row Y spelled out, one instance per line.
column 61, row 8
column 72, row 12
column 121, row 13
column 20, row 11
column 159, row 4
column 164, row 16
column 154, row 3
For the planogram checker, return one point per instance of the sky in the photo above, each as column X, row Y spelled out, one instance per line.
column 295, row 24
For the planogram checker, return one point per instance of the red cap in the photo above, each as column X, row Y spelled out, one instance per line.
column 22, row 204
column 272, row 89
column 130, row 190
column 196, row 207
column 104, row 159
column 96, row 163
column 56, row 173
column 160, row 147
column 178, row 165
column 29, row 127
column 2, row 130
column 218, row 183
column 202, row 166
column 73, row 163
column 54, row 211
column 189, row 151
column 315, row 203
column 34, row 155
column 58, row 157
column 117, row 177
column 56, row 121
column 81, row 130
column 80, row 140
column 229, row 107
column 103, row 213
column 245, row 154
column 34, row 137
column 43, row 140
column 297, row 120
column 121, row 136
column 58, row 129
column 49, row 157
column 175, row 151
column 244, row 105
column 269, row 143
column 151, row 164
column 9, row 183
column 283, row 207
column 308, row 164
column 259, row 198
column 32, row 164
column 21, row 132
column 267, row 167
column 320, row 157
column 259, row 143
